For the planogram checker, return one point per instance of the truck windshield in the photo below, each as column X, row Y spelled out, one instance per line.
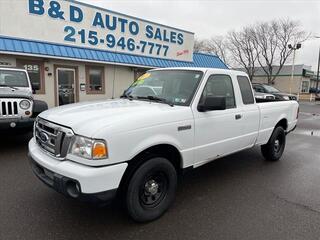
column 9, row 78
column 176, row 87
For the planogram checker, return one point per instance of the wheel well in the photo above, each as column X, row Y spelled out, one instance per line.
column 283, row 123
column 162, row 150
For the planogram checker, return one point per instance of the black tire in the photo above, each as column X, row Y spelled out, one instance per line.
column 273, row 150
column 151, row 189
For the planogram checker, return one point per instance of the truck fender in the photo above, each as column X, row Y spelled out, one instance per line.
column 154, row 141
column 282, row 117
column 38, row 107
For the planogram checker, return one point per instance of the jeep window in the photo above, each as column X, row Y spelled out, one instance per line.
column 174, row 86
column 13, row 78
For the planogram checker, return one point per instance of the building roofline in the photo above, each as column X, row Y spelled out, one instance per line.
column 25, row 47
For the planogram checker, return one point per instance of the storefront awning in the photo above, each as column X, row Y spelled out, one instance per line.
column 41, row 49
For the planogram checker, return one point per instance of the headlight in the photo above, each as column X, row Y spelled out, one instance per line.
column 89, row 148
column 286, row 98
column 24, row 104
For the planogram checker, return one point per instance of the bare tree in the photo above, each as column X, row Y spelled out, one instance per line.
column 271, row 39
column 242, row 51
column 200, row 45
column 216, row 45
column 264, row 44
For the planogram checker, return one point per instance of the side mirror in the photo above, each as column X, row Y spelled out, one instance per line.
column 212, row 103
column 35, row 87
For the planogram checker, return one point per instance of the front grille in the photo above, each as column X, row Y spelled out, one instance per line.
column 8, row 108
column 53, row 138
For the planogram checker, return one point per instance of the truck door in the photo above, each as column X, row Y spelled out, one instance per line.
column 218, row 132
column 250, row 112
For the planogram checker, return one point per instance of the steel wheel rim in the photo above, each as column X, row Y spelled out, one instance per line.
column 153, row 189
column 278, row 143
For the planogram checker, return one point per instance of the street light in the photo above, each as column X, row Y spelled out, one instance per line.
column 294, row 48
column 317, row 84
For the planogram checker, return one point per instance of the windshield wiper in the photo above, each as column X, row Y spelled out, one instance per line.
column 157, row 99
column 126, row 95
column 3, row 85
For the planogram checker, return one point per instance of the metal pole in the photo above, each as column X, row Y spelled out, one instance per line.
column 292, row 70
column 318, row 73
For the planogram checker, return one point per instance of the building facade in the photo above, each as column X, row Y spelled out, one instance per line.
column 78, row 52
column 299, row 84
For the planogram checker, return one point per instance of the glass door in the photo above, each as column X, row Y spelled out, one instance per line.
column 66, row 85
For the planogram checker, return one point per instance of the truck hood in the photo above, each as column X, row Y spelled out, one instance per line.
column 92, row 118
column 6, row 92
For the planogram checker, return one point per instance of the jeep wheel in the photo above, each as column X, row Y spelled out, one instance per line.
column 273, row 150
column 151, row 190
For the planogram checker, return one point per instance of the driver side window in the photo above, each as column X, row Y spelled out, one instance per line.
column 220, row 86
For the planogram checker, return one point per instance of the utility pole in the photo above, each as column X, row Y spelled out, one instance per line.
column 294, row 48
column 318, row 73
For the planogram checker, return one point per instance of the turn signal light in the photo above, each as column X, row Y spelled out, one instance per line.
column 99, row 150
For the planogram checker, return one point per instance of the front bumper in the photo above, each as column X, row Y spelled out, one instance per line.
column 16, row 123
column 76, row 180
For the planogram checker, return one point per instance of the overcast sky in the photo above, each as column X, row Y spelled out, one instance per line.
column 217, row 17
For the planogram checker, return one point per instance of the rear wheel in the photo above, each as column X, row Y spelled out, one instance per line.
column 273, row 150
column 151, row 190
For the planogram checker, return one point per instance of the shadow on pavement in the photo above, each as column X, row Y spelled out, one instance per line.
column 12, row 140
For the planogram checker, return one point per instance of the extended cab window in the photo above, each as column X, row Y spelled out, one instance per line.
column 246, row 91
column 220, row 86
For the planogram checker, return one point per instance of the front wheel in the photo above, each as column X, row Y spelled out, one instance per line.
column 273, row 150
column 151, row 189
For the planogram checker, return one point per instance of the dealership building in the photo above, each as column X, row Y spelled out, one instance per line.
column 78, row 52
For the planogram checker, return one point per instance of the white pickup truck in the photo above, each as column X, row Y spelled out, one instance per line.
column 167, row 121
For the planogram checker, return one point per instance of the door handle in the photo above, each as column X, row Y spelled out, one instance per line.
column 238, row 116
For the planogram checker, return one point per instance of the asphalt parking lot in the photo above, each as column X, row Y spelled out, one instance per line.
column 237, row 197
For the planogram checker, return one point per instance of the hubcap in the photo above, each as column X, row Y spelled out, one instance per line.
column 151, row 187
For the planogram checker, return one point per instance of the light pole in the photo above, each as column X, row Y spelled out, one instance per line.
column 294, row 48
column 317, row 84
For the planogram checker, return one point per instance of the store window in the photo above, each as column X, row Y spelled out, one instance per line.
column 95, row 80
column 305, row 87
column 35, row 70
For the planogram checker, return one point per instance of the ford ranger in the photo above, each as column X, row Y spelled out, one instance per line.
column 167, row 121
column 18, row 109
